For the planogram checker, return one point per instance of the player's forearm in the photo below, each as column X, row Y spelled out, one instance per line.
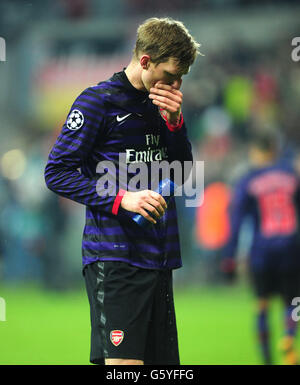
column 71, row 184
column 178, row 145
column 179, row 149
column 229, row 251
column 235, row 224
column 168, row 98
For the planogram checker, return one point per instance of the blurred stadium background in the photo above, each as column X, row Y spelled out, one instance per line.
column 246, row 82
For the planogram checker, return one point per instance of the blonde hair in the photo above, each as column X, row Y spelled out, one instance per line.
column 164, row 38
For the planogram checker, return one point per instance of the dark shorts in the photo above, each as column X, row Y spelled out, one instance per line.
column 269, row 282
column 132, row 313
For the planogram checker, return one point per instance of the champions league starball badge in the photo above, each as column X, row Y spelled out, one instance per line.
column 75, row 120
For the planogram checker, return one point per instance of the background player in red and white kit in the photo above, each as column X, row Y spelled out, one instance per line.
column 269, row 194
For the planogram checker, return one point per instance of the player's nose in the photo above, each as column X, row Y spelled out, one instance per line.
column 177, row 84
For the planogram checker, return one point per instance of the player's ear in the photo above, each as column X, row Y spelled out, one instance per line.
column 145, row 61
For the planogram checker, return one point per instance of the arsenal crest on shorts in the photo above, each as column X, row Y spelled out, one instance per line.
column 116, row 337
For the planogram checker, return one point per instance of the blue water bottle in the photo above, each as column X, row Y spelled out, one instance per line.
column 166, row 188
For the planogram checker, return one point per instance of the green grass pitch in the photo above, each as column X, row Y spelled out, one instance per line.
column 215, row 326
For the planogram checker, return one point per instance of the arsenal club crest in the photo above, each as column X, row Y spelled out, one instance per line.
column 116, row 337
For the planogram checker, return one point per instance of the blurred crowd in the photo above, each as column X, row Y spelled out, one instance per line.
column 78, row 9
column 229, row 95
column 238, row 93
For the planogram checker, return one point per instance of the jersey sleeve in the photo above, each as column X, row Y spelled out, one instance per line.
column 238, row 210
column 84, row 125
column 178, row 145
